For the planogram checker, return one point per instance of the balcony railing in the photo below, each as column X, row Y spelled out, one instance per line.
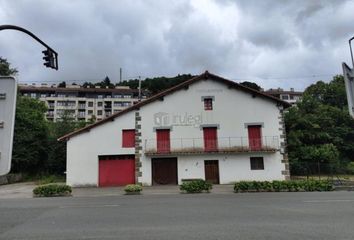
column 185, row 146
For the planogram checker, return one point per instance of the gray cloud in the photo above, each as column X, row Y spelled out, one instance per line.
column 270, row 42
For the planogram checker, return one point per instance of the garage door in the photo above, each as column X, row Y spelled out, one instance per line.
column 164, row 171
column 116, row 170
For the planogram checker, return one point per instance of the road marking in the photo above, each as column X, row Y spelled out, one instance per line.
column 90, row 206
column 328, row 201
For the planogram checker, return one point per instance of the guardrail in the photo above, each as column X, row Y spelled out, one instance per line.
column 221, row 145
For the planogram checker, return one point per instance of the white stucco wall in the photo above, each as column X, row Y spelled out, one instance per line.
column 231, row 110
column 83, row 150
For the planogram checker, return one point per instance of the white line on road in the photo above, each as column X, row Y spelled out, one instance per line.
column 89, row 206
column 329, row 201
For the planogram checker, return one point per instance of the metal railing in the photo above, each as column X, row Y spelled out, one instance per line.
column 221, row 145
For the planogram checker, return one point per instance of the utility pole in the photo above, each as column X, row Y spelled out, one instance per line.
column 139, row 88
column 50, row 56
column 120, row 75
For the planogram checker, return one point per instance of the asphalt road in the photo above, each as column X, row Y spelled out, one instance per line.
column 182, row 216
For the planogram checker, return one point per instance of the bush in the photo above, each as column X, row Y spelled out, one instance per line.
column 133, row 188
column 196, row 186
column 282, row 186
column 52, row 190
column 350, row 167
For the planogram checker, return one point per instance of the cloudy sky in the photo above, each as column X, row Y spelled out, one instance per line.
column 274, row 43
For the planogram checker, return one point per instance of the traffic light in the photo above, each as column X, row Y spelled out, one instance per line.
column 50, row 59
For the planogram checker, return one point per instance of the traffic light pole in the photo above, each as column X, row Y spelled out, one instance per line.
column 49, row 49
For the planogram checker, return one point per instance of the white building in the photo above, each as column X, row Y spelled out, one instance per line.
column 205, row 128
column 82, row 103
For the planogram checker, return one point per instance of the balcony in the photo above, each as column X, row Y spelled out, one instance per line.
column 193, row 146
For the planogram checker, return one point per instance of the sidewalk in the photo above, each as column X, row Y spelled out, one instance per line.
column 152, row 190
column 24, row 190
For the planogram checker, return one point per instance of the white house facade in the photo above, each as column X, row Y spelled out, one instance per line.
column 205, row 128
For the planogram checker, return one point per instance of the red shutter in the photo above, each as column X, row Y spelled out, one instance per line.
column 163, row 140
column 210, row 139
column 255, row 137
column 128, row 137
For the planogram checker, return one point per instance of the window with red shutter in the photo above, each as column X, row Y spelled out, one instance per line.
column 210, row 139
column 128, row 138
column 208, row 104
column 163, row 140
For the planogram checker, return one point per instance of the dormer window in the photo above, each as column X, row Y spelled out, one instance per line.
column 208, row 103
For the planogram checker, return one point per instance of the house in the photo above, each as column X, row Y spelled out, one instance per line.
column 207, row 127
column 291, row 96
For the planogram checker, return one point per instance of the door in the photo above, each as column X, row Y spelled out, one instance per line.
column 255, row 137
column 164, row 171
column 116, row 171
column 163, row 140
column 211, row 168
column 210, row 139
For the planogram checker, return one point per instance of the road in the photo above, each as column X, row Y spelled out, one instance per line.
column 182, row 216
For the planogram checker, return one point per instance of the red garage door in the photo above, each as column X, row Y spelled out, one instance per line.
column 116, row 171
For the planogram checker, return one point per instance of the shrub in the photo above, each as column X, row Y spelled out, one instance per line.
column 52, row 190
column 350, row 167
column 196, row 186
column 133, row 188
column 278, row 186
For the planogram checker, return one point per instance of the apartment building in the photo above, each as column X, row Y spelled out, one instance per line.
column 291, row 96
column 82, row 103
column 205, row 128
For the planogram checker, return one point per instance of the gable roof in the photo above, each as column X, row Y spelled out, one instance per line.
column 205, row 75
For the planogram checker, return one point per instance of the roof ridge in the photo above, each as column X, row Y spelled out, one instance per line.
column 205, row 75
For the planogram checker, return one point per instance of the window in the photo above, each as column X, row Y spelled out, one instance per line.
column 128, row 137
column 90, row 104
column 285, row 97
column 208, row 104
column 99, row 112
column 99, row 104
column 210, row 139
column 90, row 112
column 33, row 95
column 257, row 163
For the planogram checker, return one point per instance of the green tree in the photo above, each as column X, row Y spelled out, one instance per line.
column 252, row 85
column 6, row 69
column 320, row 130
column 56, row 163
column 31, row 136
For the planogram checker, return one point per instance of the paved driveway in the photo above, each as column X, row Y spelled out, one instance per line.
column 17, row 190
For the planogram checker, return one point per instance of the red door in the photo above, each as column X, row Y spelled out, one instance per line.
column 116, row 171
column 255, row 137
column 163, row 140
column 210, row 139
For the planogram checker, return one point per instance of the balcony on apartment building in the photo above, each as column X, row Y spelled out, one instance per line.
column 189, row 146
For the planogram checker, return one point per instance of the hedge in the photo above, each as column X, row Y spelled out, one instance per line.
column 196, row 186
column 133, row 188
column 52, row 190
column 283, row 186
